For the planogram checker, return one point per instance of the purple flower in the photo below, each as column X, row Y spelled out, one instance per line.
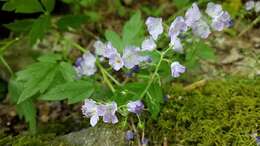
column 155, row 27
column 85, row 65
column 108, row 111
column 129, row 135
column 177, row 26
column 144, row 141
column 214, row 10
column 109, row 50
column 131, row 57
column 222, row 21
column 257, row 6
column 249, row 5
column 99, row 47
column 90, row 110
column 192, row 15
column 148, row 44
column 135, row 106
column 116, row 61
column 177, row 69
column 201, row 29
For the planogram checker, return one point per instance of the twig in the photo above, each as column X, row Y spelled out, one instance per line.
column 165, row 141
column 195, row 85
column 135, row 130
column 249, row 26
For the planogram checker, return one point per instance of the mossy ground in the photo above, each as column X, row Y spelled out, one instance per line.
column 221, row 113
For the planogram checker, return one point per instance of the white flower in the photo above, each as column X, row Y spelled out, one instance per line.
column 109, row 50
column 99, row 47
column 177, row 26
column 176, row 44
column 214, row 10
column 201, row 29
column 131, row 57
column 85, row 65
column 192, row 15
column 90, row 110
column 249, row 5
column 116, row 61
column 148, row 44
column 177, row 69
column 155, row 27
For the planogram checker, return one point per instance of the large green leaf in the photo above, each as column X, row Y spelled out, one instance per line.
column 154, row 99
column 48, row 4
column 73, row 91
column 25, row 109
column 23, row 6
column 67, row 71
column 115, row 39
column 39, row 28
column 133, row 30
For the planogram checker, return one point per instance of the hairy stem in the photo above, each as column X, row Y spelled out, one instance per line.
column 257, row 19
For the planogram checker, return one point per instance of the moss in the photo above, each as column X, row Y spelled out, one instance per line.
column 224, row 112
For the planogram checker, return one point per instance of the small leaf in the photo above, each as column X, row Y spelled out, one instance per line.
column 20, row 25
column 23, row 6
column 73, row 91
column 154, row 99
column 39, row 28
column 181, row 3
column 48, row 5
column 73, row 21
column 115, row 39
column 204, row 51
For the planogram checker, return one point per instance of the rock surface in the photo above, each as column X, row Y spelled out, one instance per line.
column 96, row 136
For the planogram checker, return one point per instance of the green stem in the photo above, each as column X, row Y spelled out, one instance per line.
column 257, row 19
column 6, row 65
column 9, row 43
column 154, row 73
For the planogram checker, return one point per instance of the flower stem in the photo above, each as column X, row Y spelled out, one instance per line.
column 154, row 73
column 6, row 65
column 257, row 19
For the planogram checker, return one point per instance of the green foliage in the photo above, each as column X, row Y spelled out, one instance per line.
column 154, row 99
column 73, row 21
column 26, row 108
column 38, row 77
column 115, row 39
column 20, row 25
column 220, row 113
column 39, row 28
column 198, row 50
column 181, row 3
column 48, row 5
column 23, row 6
column 75, row 91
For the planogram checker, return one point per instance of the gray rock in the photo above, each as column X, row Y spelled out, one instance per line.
column 101, row 135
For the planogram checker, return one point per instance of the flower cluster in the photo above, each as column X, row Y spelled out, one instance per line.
column 93, row 110
column 250, row 5
column 85, row 65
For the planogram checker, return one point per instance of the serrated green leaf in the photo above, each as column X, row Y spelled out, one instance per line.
column 39, row 82
column 48, row 5
column 25, row 109
column 154, row 99
column 115, row 39
column 73, row 21
column 68, row 72
column 39, row 28
column 73, row 91
column 20, row 25
column 53, row 58
column 132, row 31
column 23, row 6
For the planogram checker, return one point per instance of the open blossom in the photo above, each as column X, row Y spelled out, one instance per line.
column 90, row 110
column 192, row 15
column 148, row 44
column 116, row 61
column 85, row 65
column 249, row 5
column 108, row 111
column 155, row 27
column 176, row 44
column 214, row 10
column 109, row 50
column 129, row 135
column 135, row 106
column 177, row 69
column 177, row 26
column 131, row 56
column 201, row 29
